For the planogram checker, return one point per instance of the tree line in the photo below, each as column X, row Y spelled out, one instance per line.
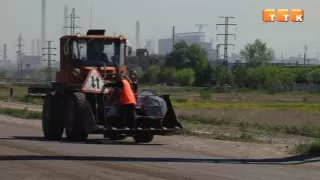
column 188, row 66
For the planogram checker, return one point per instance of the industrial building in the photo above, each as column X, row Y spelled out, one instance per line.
column 165, row 45
column 144, row 60
column 31, row 62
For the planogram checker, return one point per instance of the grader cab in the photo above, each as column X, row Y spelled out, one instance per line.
column 78, row 101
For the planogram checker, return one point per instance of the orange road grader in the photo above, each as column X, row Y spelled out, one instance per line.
column 79, row 102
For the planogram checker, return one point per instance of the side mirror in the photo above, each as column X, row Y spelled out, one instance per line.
column 129, row 50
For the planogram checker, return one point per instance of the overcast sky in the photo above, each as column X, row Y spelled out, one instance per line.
column 158, row 16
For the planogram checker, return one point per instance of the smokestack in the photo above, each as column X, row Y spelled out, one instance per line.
column 38, row 47
column 43, row 24
column 32, row 48
column 138, row 35
column 4, row 52
column 65, row 20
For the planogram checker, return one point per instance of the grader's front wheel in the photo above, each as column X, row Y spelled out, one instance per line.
column 143, row 137
column 75, row 130
column 52, row 121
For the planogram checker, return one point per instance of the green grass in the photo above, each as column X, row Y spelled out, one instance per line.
column 314, row 107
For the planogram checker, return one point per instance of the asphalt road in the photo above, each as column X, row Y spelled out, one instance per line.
column 24, row 155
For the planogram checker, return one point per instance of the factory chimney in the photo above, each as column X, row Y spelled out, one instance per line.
column 38, row 47
column 5, row 52
column 65, row 20
column 138, row 35
column 43, row 24
column 32, row 48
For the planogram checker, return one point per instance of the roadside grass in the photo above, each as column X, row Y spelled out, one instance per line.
column 27, row 99
column 184, row 103
column 243, row 137
column 279, row 121
column 21, row 113
column 312, row 149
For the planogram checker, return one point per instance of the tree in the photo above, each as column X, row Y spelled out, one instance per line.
column 151, row 74
column 204, row 77
column 219, row 74
column 139, row 72
column 257, row 53
column 167, row 75
column 314, row 76
column 239, row 75
column 185, row 77
column 194, row 57
column 179, row 57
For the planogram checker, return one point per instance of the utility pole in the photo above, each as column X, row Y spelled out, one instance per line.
column 226, row 34
column 305, row 54
column 73, row 25
column 173, row 37
column 49, row 54
column 19, row 57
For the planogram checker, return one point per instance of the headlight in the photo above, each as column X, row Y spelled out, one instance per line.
column 76, row 72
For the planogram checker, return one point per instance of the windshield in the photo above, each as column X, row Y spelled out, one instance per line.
column 97, row 52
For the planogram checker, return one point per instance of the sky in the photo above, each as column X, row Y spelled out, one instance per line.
column 157, row 18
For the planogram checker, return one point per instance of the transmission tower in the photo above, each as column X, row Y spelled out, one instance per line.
column 226, row 34
column 49, row 60
column 19, row 57
column 73, row 25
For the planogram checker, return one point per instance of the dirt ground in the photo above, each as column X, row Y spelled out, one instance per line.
column 24, row 155
column 281, row 144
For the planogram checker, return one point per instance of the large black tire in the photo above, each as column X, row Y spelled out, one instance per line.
column 52, row 121
column 75, row 130
column 143, row 137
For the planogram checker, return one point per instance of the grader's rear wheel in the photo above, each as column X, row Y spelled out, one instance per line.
column 75, row 130
column 143, row 137
column 52, row 121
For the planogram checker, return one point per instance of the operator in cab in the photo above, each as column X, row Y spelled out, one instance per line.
column 98, row 53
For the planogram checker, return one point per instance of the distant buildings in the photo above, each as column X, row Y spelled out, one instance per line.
column 165, row 45
column 31, row 62
column 144, row 60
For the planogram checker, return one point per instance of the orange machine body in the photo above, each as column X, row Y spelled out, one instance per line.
column 65, row 75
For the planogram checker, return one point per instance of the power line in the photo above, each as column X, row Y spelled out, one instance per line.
column 73, row 25
column 19, row 57
column 49, row 54
column 226, row 34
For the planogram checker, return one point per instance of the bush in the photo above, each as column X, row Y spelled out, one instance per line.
column 312, row 149
column 205, row 93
